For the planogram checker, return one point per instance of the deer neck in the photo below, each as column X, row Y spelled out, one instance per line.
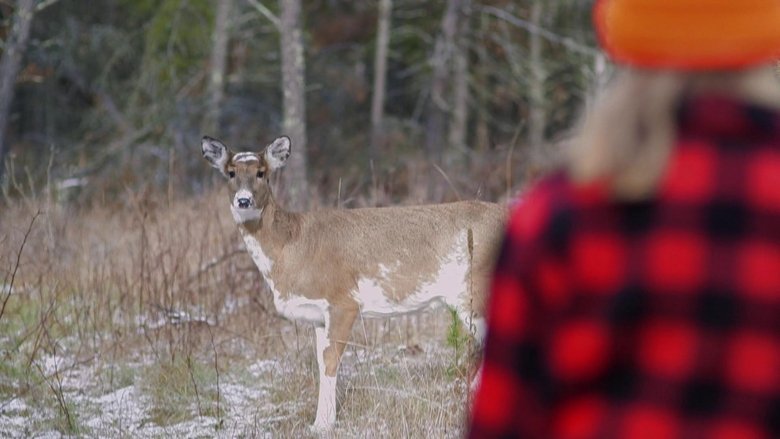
column 266, row 237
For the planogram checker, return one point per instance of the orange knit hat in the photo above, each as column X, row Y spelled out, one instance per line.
column 689, row 34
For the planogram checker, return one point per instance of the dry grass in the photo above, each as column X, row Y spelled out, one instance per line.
column 150, row 320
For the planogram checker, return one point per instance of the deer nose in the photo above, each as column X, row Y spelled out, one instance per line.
column 243, row 203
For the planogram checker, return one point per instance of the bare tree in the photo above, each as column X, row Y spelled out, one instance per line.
column 293, row 88
column 537, row 116
column 438, row 107
column 460, row 115
column 219, row 54
column 9, row 67
column 380, row 77
column 481, row 73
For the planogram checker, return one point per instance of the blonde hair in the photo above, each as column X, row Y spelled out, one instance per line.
column 628, row 136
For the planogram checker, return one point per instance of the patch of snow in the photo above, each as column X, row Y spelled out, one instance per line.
column 120, row 411
column 13, row 418
column 264, row 366
column 52, row 364
column 233, row 304
column 172, row 317
column 70, row 183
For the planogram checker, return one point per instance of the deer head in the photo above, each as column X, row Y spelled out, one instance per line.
column 248, row 174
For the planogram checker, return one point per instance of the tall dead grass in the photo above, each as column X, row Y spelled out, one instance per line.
column 160, row 294
column 151, row 281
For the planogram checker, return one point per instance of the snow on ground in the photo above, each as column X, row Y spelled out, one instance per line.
column 247, row 404
column 112, row 400
column 124, row 412
column 12, row 417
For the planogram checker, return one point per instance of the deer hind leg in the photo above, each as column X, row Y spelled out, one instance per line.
column 331, row 341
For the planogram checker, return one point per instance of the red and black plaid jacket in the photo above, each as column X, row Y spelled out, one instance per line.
column 656, row 319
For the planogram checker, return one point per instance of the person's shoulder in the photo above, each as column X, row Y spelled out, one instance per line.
column 553, row 197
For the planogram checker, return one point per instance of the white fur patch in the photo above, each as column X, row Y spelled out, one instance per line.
column 299, row 308
column 245, row 157
column 292, row 306
column 449, row 285
column 243, row 193
column 277, row 153
column 326, row 401
column 215, row 152
column 263, row 262
column 243, row 215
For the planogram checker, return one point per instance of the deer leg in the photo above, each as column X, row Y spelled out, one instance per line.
column 326, row 403
column 331, row 341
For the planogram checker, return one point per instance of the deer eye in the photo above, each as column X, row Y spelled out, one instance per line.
column 231, row 174
column 260, row 174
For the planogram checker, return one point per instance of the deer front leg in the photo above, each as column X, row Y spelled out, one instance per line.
column 331, row 342
column 326, row 402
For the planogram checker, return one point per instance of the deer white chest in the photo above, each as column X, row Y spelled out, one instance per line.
column 263, row 262
column 290, row 305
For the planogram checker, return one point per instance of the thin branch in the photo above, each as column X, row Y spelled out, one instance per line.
column 264, row 11
column 18, row 260
column 447, row 178
column 45, row 4
column 567, row 42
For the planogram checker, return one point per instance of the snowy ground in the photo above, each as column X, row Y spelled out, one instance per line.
column 123, row 412
column 383, row 390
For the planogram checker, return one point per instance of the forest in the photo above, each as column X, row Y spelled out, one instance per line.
column 129, row 306
column 116, row 94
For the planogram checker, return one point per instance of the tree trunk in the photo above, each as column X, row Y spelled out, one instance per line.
column 460, row 115
column 293, row 87
column 219, row 55
column 10, row 62
column 438, row 106
column 537, row 116
column 483, row 90
column 380, row 78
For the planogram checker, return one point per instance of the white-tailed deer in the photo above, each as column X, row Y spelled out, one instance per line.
column 328, row 267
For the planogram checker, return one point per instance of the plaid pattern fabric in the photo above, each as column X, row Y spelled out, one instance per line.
column 656, row 319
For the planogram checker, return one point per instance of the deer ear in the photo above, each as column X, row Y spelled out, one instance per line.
column 276, row 153
column 215, row 152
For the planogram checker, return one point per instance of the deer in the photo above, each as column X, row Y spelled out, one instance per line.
column 330, row 267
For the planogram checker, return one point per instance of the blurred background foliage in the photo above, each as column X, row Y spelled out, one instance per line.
column 114, row 95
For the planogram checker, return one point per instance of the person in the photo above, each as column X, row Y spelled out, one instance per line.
column 637, row 293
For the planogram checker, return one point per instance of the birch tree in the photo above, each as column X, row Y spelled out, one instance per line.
column 380, row 77
column 293, row 89
column 219, row 55
column 460, row 116
column 439, row 103
column 438, row 107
